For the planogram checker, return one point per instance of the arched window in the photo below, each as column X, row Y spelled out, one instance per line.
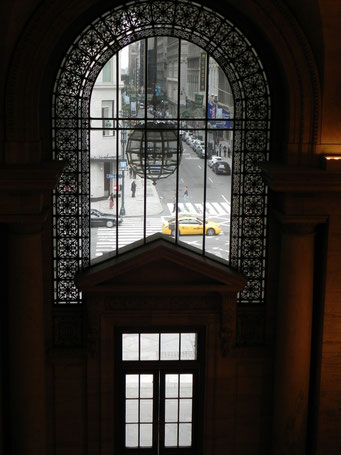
column 148, row 93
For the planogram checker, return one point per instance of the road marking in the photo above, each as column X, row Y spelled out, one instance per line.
column 212, row 208
column 131, row 231
column 218, row 208
column 226, row 200
column 199, row 208
column 209, row 178
column 227, row 207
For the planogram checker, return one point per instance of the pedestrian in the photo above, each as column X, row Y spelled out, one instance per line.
column 130, row 171
column 134, row 172
column 219, row 150
column 133, row 188
column 185, row 197
column 111, row 201
column 224, row 149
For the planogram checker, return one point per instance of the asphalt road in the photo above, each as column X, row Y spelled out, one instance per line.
column 218, row 198
column 191, row 174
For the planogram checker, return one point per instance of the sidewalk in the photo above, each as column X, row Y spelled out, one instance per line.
column 134, row 206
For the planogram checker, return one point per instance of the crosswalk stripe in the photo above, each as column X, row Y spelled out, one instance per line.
column 227, row 207
column 212, row 208
column 199, row 208
column 218, row 208
column 170, row 207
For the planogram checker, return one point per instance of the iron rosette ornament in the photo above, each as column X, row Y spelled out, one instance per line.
column 154, row 150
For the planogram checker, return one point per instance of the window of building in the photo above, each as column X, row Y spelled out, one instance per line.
column 108, row 109
column 217, row 101
column 158, row 391
column 107, row 72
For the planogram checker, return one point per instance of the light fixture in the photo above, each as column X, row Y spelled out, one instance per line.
column 331, row 162
column 154, row 149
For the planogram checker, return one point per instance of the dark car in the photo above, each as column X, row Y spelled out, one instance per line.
column 221, row 167
column 98, row 218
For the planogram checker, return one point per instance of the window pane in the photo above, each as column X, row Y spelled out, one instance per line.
column 132, row 386
column 188, row 346
column 132, row 411
column 171, row 435
column 185, row 410
column 171, row 410
column 193, row 81
column 146, row 386
column 169, row 346
column 146, row 435
column 185, row 434
column 186, row 385
column 132, row 435
column 191, row 195
column 107, row 71
column 149, row 346
column 130, row 346
column 172, row 386
column 146, row 411
column 220, row 99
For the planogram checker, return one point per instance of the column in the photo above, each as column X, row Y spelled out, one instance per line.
column 293, row 337
column 27, row 389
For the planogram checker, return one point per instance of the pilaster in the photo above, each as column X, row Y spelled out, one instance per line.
column 24, row 204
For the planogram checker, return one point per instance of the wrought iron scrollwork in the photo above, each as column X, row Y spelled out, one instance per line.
column 71, row 101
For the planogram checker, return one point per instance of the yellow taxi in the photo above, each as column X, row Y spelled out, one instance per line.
column 190, row 225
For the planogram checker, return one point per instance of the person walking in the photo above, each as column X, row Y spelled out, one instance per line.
column 174, row 203
column 224, row 150
column 133, row 188
column 111, row 201
column 186, row 197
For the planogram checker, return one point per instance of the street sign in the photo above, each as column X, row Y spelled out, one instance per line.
column 113, row 176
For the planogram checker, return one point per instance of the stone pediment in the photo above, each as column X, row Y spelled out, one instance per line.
column 160, row 264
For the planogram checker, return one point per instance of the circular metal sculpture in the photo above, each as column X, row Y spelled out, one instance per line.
column 154, row 151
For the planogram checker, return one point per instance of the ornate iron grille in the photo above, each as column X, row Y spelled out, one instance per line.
column 71, row 125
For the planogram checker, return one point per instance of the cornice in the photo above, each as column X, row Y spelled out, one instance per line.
column 289, row 179
column 24, row 190
column 30, row 177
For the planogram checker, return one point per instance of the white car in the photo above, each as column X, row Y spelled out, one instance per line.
column 214, row 159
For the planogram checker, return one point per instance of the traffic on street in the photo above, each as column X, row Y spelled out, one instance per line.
column 190, row 176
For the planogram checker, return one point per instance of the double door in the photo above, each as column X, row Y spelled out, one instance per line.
column 159, row 412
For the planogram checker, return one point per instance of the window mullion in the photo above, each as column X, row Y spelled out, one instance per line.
column 205, row 158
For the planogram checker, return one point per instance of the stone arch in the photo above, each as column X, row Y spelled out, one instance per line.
column 44, row 42
column 294, row 55
column 78, row 72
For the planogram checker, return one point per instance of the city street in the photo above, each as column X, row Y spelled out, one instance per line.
column 191, row 174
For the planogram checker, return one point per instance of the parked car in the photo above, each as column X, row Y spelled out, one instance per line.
column 186, row 136
column 200, row 151
column 190, row 225
column 98, row 218
column 214, row 159
column 221, row 167
column 198, row 143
